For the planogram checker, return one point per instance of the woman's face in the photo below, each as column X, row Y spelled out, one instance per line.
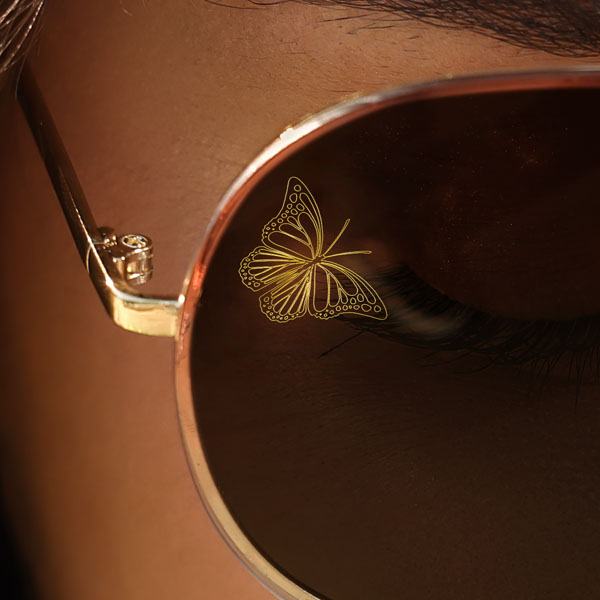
column 160, row 107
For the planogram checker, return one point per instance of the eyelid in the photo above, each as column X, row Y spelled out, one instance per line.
column 422, row 317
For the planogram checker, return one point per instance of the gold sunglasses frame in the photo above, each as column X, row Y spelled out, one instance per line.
column 115, row 262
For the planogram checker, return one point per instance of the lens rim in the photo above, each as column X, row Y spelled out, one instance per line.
column 290, row 141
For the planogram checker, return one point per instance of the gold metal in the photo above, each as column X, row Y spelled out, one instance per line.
column 113, row 262
column 291, row 266
column 131, row 253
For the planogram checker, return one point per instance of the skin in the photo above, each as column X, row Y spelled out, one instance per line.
column 160, row 108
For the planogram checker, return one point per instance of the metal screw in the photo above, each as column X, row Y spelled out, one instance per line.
column 134, row 240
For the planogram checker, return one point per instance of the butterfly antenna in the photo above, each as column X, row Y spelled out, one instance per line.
column 337, row 237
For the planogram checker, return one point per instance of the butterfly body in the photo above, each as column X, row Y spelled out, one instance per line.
column 296, row 276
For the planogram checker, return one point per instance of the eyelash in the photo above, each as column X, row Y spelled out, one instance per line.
column 423, row 317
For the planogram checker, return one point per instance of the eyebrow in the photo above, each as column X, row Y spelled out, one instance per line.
column 560, row 27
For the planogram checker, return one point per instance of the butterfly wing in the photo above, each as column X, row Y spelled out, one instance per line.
column 298, row 227
column 265, row 266
column 295, row 277
column 338, row 290
column 286, row 278
column 290, row 298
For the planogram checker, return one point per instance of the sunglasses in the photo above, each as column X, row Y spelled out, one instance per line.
column 328, row 282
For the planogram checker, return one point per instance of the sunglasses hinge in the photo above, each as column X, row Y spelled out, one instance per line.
column 115, row 263
column 132, row 254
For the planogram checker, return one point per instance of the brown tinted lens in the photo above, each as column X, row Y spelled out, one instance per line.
column 376, row 470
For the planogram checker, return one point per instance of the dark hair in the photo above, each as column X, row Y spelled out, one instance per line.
column 17, row 20
column 561, row 27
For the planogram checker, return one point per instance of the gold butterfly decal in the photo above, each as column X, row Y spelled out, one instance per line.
column 292, row 270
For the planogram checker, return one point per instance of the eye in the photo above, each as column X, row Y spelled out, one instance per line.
column 422, row 317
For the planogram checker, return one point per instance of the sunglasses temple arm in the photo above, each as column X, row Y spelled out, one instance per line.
column 113, row 262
